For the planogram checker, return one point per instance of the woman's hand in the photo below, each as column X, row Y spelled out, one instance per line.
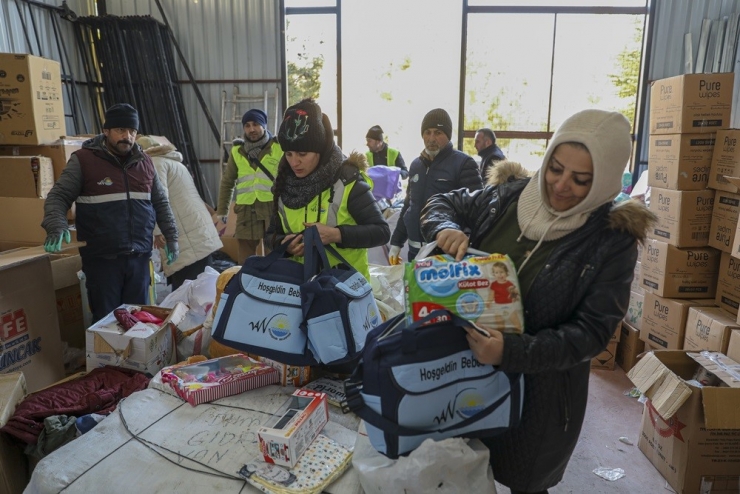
column 329, row 234
column 295, row 248
column 159, row 241
column 453, row 242
column 486, row 349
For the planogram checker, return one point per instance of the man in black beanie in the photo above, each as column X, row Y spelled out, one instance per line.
column 119, row 198
column 438, row 169
column 380, row 153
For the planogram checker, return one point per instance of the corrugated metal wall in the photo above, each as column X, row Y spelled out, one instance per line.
column 221, row 40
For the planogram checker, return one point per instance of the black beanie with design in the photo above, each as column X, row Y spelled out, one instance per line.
column 437, row 119
column 303, row 129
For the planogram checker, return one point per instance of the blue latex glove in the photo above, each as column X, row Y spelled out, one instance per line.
column 53, row 243
column 172, row 251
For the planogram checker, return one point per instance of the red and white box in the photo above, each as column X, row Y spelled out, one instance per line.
column 294, row 427
column 209, row 380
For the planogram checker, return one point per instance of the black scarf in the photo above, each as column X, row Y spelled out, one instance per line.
column 254, row 149
column 298, row 192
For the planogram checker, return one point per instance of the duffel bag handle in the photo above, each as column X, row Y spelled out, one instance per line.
column 427, row 249
column 266, row 261
column 408, row 338
column 315, row 253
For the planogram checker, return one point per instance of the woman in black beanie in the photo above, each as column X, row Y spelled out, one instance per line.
column 317, row 185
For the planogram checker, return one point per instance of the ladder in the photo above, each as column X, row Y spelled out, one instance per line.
column 232, row 110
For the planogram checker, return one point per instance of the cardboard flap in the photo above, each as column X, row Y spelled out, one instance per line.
column 665, row 389
column 721, row 407
column 119, row 344
column 734, row 181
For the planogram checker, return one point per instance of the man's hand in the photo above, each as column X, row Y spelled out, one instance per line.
column 53, row 243
column 159, row 241
column 172, row 251
column 394, row 255
column 453, row 242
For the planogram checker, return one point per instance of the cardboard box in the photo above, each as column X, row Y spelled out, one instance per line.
column 728, row 284
column 680, row 161
column 690, row 434
column 13, row 462
column 58, row 152
column 664, row 320
column 605, row 360
column 21, row 219
column 629, row 347
column 298, row 423
column 733, row 347
column 617, row 332
column 724, row 220
column 28, row 319
column 636, row 286
column 708, row 328
column 64, row 268
column 684, row 217
column 31, row 104
column 725, row 161
column 290, row 375
column 691, row 103
column 140, row 348
column 236, row 249
column 209, row 380
column 26, row 176
column 634, row 309
column 679, row 273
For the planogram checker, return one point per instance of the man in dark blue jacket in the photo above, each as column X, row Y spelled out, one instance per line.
column 438, row 169
column 119, row 198
column 489, row 152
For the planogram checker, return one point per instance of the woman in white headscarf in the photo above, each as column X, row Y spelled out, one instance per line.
column 575, row 252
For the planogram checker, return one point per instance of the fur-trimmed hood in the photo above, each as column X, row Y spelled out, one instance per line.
column 358, row 160
column 629, row 216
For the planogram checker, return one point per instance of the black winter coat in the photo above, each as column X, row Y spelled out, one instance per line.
column 571, row 311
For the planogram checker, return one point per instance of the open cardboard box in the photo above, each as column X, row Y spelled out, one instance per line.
column 691, row 434
column 140, row 348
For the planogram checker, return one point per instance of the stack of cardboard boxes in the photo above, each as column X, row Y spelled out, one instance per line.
column 40, row 292
column 691, row 284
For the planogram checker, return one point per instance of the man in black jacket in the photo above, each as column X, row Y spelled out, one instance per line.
column 438, row 169
column 489, row 152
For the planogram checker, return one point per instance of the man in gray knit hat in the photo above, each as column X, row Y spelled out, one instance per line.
column 119, row 198
column 438, row 169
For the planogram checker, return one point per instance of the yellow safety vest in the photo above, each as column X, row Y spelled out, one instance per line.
column 252, row 184
column 391, row 156
column 331, row 213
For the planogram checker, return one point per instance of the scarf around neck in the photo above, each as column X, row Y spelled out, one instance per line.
column 253, row 149
column 298, row 192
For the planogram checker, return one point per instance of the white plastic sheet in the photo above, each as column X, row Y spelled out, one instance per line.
column 450, row 466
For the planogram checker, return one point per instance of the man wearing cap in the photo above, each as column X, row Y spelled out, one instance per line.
column 252, row 168
column 119, row 198
column 489, row 152
column 380, row 153
column 438, row 169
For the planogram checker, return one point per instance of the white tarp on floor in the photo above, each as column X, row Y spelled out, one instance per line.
column 179, row 449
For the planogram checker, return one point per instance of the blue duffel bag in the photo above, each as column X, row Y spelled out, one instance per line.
column 422, row 381
column 260, row 309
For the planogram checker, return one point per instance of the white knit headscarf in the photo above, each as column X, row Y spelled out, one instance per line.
column 607, row 137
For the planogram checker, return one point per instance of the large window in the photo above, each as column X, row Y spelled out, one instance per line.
column 528, row 68
column 525, row 66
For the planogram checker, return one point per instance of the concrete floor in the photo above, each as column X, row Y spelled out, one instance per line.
column 609, row 416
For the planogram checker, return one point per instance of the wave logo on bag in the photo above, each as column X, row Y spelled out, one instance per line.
column 372, row 319
column 277, row 326
column 466, row 404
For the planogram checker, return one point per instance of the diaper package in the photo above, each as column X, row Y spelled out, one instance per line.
column 480, row 288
